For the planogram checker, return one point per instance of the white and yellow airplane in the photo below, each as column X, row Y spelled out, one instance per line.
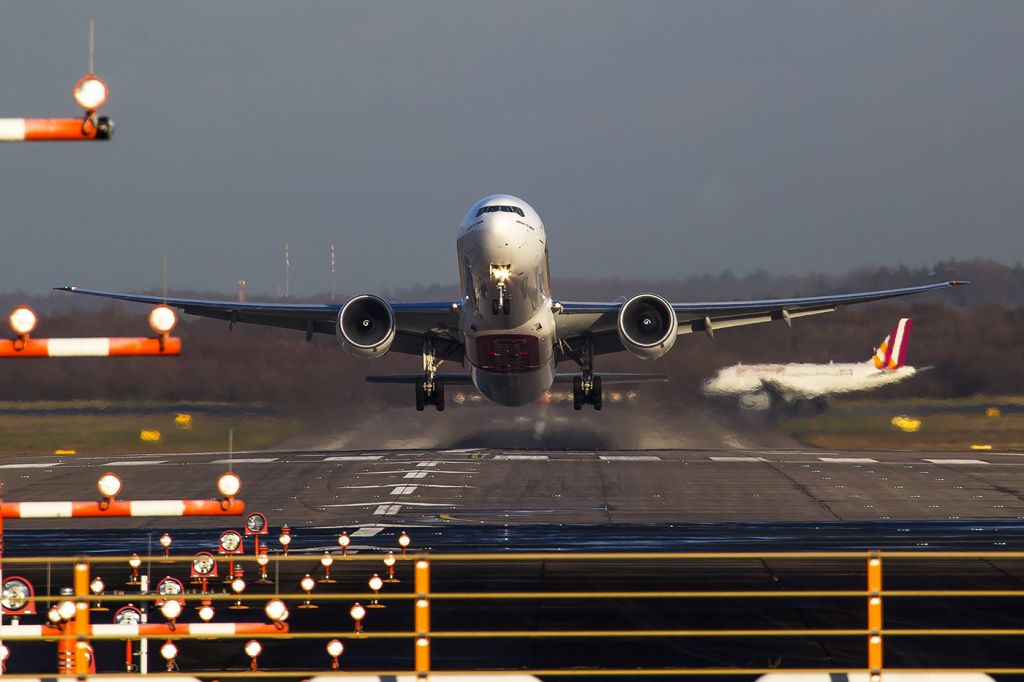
column 760, row 387
column 507, row 326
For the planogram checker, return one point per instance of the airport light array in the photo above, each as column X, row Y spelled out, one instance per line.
column 23, row 321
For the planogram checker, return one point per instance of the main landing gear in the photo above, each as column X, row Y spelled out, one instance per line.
column 429, row 389
column 586, row 389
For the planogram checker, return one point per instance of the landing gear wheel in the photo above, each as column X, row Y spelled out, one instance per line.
column 577, row 393
column 596, row 397
column 506, row 306
column 494, row 306
column 438, row 396
column 421, row 395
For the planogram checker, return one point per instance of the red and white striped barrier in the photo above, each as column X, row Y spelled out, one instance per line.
column 67, row 510
column 55, row 129
column 89, row 347
column 23, row 632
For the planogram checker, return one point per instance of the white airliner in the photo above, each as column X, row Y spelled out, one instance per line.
column 507, row 326
column 759, row 387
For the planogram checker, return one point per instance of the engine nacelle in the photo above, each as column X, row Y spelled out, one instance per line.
column 647, row 326
column 366, row 327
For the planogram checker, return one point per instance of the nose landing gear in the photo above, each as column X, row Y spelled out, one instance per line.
column 502, row 303
column 586, row 389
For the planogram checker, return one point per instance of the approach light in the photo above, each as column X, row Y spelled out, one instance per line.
column 162, row 319
column 53, row 615
column 358, row 613
column 389, row 561
column 285, row 538
column 326, row 560
column 375, row 584
column 171, row 609
column 66, row 610
column 109, row 485
column 334, row 649
column 229, row 484
column 96, row 587
column 344, row 541
column 306, row 585
column 165, row 540
column 90, row 92
column 22, row 320
column 206, row 612
column 169, row 651
column 404, row 541
column 276, row 610
column 5, row 653
column 238, row 586
column 253, row 649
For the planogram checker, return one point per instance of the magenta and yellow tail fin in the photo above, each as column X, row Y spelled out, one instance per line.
column 892, row 354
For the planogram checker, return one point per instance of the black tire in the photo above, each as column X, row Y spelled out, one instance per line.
column 506, row 306
column 421, row 396
column 577, row 393
column 596, row 396
column 439, row 396
column 494, row 306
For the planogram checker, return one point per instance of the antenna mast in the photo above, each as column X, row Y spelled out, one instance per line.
column 332, row 272
column 287, row 269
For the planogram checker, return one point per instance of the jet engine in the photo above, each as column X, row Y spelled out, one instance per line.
column 366, row 327
column 647, row 326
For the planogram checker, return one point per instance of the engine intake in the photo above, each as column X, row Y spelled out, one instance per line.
column 366, row 327
column 647, row 326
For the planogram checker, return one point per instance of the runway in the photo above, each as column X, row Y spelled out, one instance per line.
column 492, row 486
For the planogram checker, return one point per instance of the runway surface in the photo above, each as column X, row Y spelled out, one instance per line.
column 493, row 486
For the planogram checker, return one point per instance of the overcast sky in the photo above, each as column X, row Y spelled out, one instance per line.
column 654, row 138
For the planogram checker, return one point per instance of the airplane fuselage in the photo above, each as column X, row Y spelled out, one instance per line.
column 506, row 319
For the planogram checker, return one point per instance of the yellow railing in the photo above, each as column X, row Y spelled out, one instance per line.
column 77, row 632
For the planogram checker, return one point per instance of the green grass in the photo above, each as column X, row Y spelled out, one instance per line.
column 847, row 427
column 95, row 432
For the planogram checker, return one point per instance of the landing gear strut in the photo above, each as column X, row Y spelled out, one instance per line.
column 502, row 303
column 429, row 389
column 586, row 389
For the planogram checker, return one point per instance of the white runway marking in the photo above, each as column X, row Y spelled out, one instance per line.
column 404, row 490
column 956, row 461
column 630, row 458
column 134, row 463
column 250, row 460
column 849, row 460
column 734, row 459
column 367, row 532
column 353, row 458
column 371, row 504
column 392, row 485
column 428, row 464
column 37, row 465
column 416, row 474
column 415, row 471
column 521, row 457
column 387, row 509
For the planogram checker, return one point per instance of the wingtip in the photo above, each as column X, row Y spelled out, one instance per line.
column 66, row 287
column 958, row 283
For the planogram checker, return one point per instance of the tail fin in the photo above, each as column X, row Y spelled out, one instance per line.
column 892, row 354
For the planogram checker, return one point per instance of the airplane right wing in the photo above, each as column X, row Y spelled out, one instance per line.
column 598, row 321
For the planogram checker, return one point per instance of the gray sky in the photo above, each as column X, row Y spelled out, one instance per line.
column 653, row 137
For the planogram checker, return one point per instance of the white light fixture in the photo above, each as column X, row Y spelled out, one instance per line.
column 404, row 541
column 306, row 585
column 22, row 320
column 334, row 649
column 96, row 586
column 277, row 612
column 66, row 610
column 206, row 612
column 375, row 584
column 229, row 484
column 326, row 561
column 253, row 649
column 5, row 653
column 171, row 609
column 358, row 613
column 389, row 561
column 165, row 541
column 53, row 615
column 169, row 651
column 162, row 319
column 90, row 92
column 109, row 485
column 344, row 541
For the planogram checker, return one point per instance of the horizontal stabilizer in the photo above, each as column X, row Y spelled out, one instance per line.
column 608, row 378
column 450, row 379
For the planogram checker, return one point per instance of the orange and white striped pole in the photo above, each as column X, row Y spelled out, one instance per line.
column 101, row 347
column 55, row 129
column 67, row 510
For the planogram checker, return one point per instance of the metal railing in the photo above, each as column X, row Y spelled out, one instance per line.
column 73, row 639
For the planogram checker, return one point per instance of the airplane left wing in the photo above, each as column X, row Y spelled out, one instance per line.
column 414, row 320
column 599, row 320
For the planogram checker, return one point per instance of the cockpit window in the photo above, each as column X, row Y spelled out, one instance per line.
column 505, row 209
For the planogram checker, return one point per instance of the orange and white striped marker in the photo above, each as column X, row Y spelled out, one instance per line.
column 22, row 632
column 101, row 347
column 67, row 509
column 55, row 129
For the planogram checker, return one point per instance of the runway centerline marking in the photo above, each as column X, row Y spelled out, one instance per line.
column 419, row 472
column 34, row 465
column 735, row 459
column 849, row 460
column 392, row 485
column 404, row 490
column 353, row 458
column 630, row 458
column 135, row 463
column 522, row 457
column 956, row 461
column 244, row 460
